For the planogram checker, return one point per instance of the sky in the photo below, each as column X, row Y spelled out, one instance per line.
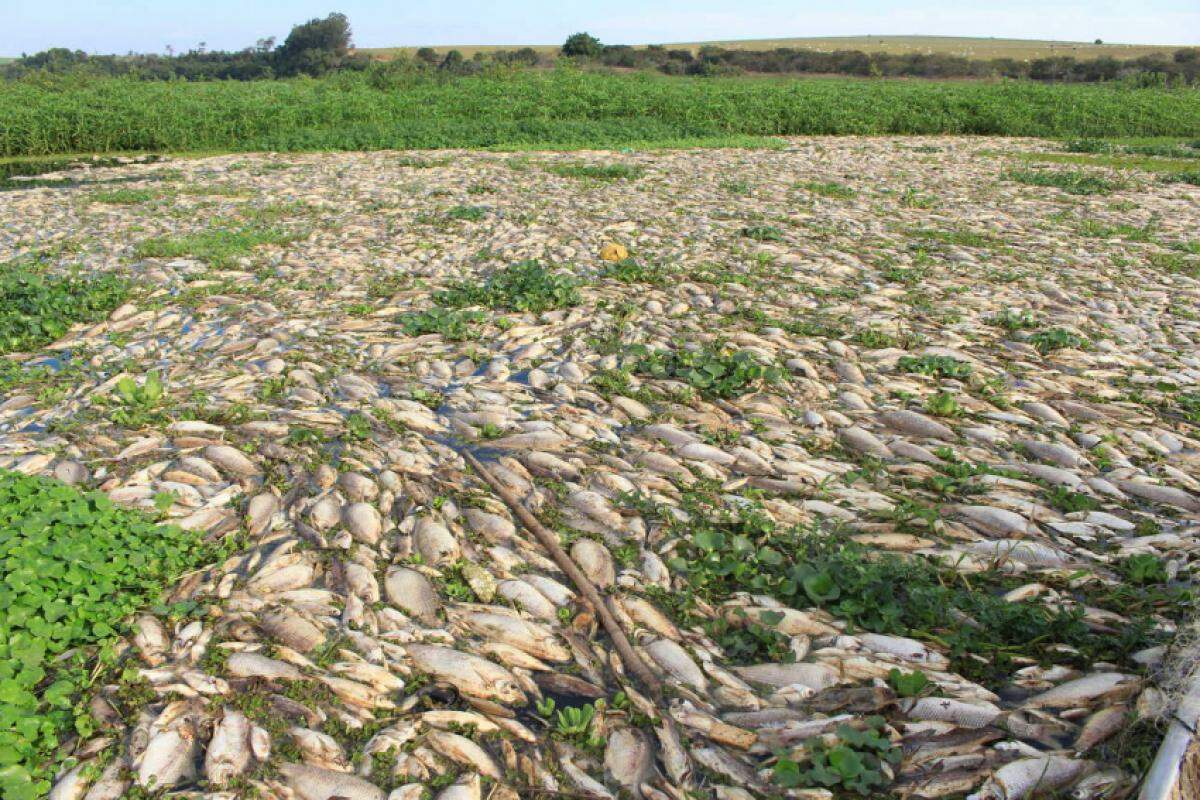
column 119, row 26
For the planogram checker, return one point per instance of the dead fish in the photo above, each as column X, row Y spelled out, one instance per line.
column 534, row 638
column 812, row 676
column 112, row 783
column 1024, row 777
column 1100, row 726
column 231, row 460
column 228, row 752
column 72, row 785
column 151, row 639
column 412, row 593
column 975, row 714
column 447, row 719
column 464, row 751
column 629, row 758
column 675, row 661
column 363, row 522
column 1087, row 689
column 465, row 788
column 595, row 561
column 291, row 628
column 169, row 758
column 255, row 665
column 435, row 543
column 470, row 674
column 315, row 783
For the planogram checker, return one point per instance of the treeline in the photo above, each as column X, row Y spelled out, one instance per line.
column 320, row 46
column 1181, row 66
column 314, row 48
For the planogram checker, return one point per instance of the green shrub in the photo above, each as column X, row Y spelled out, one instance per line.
column 37, row 309
column 76, row 567
column 527, row 286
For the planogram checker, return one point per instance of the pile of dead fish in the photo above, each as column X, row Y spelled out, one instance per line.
column 390, row 629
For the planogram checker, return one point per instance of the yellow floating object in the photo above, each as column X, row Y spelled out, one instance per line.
column 614, row 252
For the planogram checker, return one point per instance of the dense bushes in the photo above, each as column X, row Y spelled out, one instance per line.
column 559, row 108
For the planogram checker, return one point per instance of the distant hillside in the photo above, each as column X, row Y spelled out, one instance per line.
column 969, row 47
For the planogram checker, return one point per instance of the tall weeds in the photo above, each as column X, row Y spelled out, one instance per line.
column 559, row 108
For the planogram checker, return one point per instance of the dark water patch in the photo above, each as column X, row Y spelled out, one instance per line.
column 43, row 172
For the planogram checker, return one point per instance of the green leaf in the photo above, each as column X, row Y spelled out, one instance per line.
column 709, row 540
column 821, row 587
column 908, row 684
column 847, row 762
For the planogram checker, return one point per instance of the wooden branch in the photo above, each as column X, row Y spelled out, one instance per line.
column 549, row 540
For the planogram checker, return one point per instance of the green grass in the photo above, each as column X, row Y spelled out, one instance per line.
column 217, row 247
column 76, row 568
column 559, row 108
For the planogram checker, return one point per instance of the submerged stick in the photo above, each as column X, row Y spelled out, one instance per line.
column 1175, row 773
column 633, row 662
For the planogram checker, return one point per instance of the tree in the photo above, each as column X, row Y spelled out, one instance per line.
column 427, row 55
column 582, row 45
column 315, row 47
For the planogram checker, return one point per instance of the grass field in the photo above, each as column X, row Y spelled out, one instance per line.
column 966, row 46
column 560, row 108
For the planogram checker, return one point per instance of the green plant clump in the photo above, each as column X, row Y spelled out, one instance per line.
column 934, row 366
column 763, row 233
column 76, row 567
column 1070, row 181
column 838, row 191
column 36, row 309
column 527, row 286
column 725, row 552
column 218, row 247
column 855, row 762
column 1055, row 339
column 454, row 325
column 713, row 371
column 598, row 172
